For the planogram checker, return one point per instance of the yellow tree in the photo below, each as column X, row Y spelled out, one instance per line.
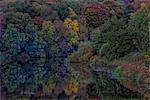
column 48, row 27
column 73, row 30
column 47, row 88
column 72, row 87
column 48, row 31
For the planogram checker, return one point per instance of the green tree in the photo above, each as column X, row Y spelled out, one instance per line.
column 62, row 9
column 23, row 7
column 75, row 5
column 113, row 40
column 18, row 19
column 139, row 27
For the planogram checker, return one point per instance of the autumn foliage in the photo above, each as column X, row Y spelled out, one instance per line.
column 75, row 49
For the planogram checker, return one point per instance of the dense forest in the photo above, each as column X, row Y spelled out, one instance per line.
column 74, row 49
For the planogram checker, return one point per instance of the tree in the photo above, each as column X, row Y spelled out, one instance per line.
column 23, row 7
column 117, row 37
column 139, row 27
column 92, row 90
column 80, row 61
column 72, row 87
column 73, row 30
column 75, row 5
column 38, row 20
column 11, row 40
column 72, row 14
column 17, row 72
column 48, row 27
column 61, row 8
column 39, row 45
column 18, row 19
column 72, row 25
column 59, row 26
column 48, row 87
column 115, row 40
column 95, row 14
column 115, row 9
